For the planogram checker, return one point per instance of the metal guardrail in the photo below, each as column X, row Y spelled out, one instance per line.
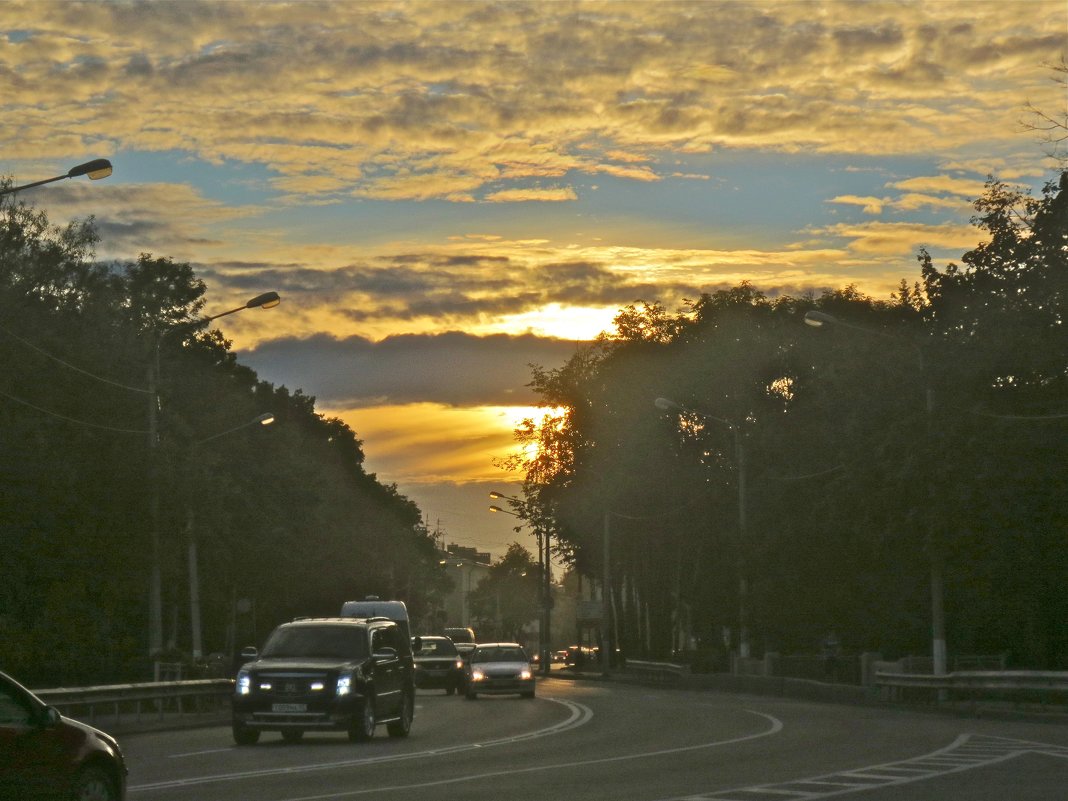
column 1043, row 684
column 138, row 703
column 658, row 671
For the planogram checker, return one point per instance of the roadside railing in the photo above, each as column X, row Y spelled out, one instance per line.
column 658, row 672
column 1042, row 686
column 123, row 704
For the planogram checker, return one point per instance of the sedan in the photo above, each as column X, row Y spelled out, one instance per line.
column 499, row 668
column 437, row 664
column 45, row 755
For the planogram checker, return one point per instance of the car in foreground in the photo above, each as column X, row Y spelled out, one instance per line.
column 499, row 668
column 44, row 755
column 327, row 674
column 437, row 664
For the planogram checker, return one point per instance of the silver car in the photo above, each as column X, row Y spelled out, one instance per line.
column 499, row 668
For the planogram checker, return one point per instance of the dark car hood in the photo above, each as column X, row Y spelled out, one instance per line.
column 83, row 732
column 303, row 663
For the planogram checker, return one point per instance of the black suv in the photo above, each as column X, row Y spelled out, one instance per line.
column 327, row 674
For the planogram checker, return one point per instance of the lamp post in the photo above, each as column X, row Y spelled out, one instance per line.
column 194, row 577
column 267, row 300
column 666, row 405
column 95, row 170
column 546, row 590
column 818, row 319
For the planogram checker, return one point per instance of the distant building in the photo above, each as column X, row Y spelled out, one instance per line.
column 466, row 567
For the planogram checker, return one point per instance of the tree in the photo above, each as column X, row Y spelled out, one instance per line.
column 507, row 598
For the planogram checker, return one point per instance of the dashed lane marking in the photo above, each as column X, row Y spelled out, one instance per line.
column 966, row 752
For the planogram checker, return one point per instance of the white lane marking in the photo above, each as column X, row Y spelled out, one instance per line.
column 578, row 715
column 966, row 752
column 200, row 753
column 775, row 727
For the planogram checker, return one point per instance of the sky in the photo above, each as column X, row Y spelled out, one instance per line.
column 444, row 193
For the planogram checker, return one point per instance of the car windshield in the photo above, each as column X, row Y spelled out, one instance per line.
column 327, row 642
column 499, row 653
column 436, row 648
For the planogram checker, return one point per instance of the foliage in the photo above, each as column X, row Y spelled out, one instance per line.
column 506, row 600
column 814, row 478
column 284, row 517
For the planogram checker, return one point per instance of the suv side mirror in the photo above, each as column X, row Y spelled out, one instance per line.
column 385, row 653
column 417, row 643
column 249, row 653
column 48, row 717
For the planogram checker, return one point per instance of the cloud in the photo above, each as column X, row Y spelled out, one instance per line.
column 418, row 100
column 450, row 369
column 521, row 195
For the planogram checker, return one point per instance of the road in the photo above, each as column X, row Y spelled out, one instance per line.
column 604, row 741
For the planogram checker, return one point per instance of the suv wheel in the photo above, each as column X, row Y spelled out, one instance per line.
column 363, row 726
column 403, row 725
column 244, row 735
column 93, row 784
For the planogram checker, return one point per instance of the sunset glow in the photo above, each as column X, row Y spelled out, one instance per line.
column 445, row 193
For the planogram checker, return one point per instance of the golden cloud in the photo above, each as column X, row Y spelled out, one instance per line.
column 418, row 100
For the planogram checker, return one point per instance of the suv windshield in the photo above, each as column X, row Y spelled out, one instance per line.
column 340, row 642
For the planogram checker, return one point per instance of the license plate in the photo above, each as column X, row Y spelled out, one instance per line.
column 289, row 707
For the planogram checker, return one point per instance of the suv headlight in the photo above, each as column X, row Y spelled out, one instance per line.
column 477, row 675
column 525, row 674
column 244, row 682
column 344, row 684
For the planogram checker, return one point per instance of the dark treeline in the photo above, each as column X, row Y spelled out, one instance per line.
column 922, row 435
column 286, row 519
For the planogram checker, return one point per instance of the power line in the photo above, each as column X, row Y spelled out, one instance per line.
column 85, row 423
column 70, row 366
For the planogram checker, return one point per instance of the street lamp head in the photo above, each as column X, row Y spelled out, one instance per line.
column 264, row 419
column 268, row 300
column 495, row 494
column 95, row 169
column 818, row 319
column 666, row 405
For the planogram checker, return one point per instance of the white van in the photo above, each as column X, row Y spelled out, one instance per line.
column 373, row 606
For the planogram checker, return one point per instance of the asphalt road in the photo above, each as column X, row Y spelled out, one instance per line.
column 601, row 741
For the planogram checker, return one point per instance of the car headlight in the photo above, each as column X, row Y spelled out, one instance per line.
column 244, row 682
column 344, row 684
column 459, row 664
column 477, row 675
column 525, row 674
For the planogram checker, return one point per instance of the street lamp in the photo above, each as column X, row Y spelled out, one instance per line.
column 818, row 319
column 194, row 579
column 95, row 169
column 267, row 300
column 666, row 405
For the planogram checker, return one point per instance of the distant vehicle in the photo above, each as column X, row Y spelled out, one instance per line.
column 437, row 664
column 44, row 755
column 460, row 634
column 464, row 649
column 581, row 655
column 373, row 606
column 327, row 674
column 499, row 668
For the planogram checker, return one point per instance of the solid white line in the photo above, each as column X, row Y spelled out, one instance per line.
column 578, row 716
column 775, row 727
